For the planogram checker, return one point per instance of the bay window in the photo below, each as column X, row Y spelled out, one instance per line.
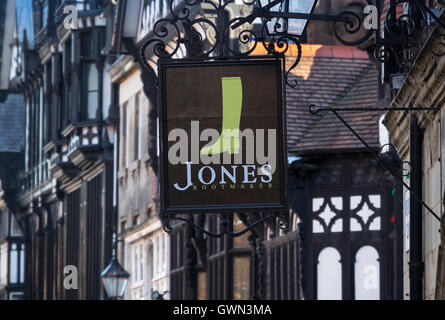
column 12, row 252
column 92, row 90
column 91, row 76
column 66, row 94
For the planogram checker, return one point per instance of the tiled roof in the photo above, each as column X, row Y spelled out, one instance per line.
column 331, row 76
column 329, row 134
column 12, row 124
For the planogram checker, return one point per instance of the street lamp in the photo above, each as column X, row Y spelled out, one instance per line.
column 298, row 26
column 114, row 277
column 110, row 128
column 292, row 15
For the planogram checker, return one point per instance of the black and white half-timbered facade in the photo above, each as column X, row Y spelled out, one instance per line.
column 12, row 133
column 12, row 246
column 64, row 204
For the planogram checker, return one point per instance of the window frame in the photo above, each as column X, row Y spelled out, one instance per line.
column 138, row 265
column 90, row 56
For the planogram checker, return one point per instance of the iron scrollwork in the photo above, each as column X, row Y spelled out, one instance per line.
column 403, row 24
column 202, row 30
column 187, row 33
column 405, row 21
column 386, row 161
column 226, row 224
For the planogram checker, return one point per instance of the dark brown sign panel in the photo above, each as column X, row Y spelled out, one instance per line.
column 222, row 136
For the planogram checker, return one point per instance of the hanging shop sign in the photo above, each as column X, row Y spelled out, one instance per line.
column 222, row 130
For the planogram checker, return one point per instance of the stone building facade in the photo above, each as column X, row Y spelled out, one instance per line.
column 419, row 136
column 146, row 246
column 422, row 87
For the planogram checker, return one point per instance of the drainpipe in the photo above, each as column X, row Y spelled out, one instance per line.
column 398, row 213
column 416, row 262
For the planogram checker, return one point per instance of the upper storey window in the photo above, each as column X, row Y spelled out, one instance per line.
column 92, row 90
column 152, row 10
column 44, row 13
column 90, row 76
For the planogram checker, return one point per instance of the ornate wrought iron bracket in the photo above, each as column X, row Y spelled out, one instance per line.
column 226, row 224
column 399, row 30
column 265, row 12
column 378, row 157
column 198, row 37
column 186, row 31
column 315, row 110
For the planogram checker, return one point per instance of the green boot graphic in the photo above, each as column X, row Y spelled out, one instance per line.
column 232, row 92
